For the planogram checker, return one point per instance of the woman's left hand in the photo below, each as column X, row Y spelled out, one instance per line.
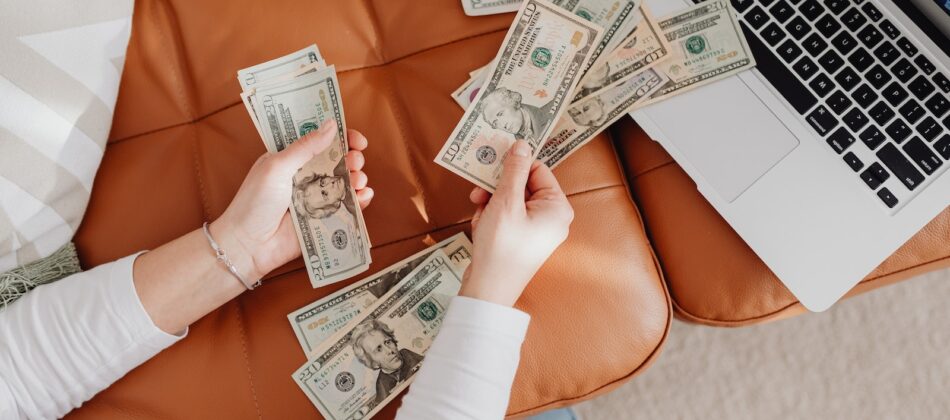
column 256, row 229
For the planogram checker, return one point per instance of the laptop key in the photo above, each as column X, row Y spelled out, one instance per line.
column 766, row 3
column 942, row 146
column 836, row 6
column 895, row 94
column 908, row 47
column 870, row 36
column 796, row 93
column 844, row 42
column 887, row 53
column 847, row 79
column 900, row 166
column 811, row 9
column 822, row 120
column 878, row 76
column 921, row 87
column 881, row 113
column 757, row 17
column 904, row 70
column 929, row 128
column 805, row 68
column 827, row 25
column 855, row 119
column 925, row 65
column 886, row 196
column 943, row 82
column 888, row 28
column 852, row 160
column 912, row 111
column 782, row 11
column 938, row 105
column 925, row 158
column 872, row 12
column 898, row 131
column 831, row 61
column 798, row 27
column 789, row 51
column 838, row 102
column 822, row 85
column 872, row 137
column 853, row 19
column 773, row 34
column 864, row 96
column 875, row 175
column 814, row 44
column 841, row 140
column 742, row 5
column 861, row 60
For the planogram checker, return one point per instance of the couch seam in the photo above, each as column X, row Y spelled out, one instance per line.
column 205, row 207
column 182, row 67
column 340, row 72
column 374, row 19
column 239, row 314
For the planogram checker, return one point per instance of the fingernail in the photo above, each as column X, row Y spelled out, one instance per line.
column 521, row 148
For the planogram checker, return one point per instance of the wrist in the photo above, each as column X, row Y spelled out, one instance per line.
column 485, row 289
column 238, row 252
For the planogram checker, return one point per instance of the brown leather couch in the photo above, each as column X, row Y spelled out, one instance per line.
column 182, row 142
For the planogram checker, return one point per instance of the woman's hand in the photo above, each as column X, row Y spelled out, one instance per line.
column 516, row 229
column 256, row 229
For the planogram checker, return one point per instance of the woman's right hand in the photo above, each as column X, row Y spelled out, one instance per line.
column 515, row 230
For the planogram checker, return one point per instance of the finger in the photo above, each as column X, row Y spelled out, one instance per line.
column 542, row 179
column 301, row 151
column 357, row 140
column 479, row 196
column 364, row 196
column 359, row 180
column 514, row 176
column 477, row 216
column 355, row 160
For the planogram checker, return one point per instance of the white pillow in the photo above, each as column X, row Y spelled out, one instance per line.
column 60, row 66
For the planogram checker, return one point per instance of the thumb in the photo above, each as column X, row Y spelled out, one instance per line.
column 302, row 151
column 514, row 176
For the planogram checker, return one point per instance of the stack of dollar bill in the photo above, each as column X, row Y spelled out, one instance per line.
column 365, row 343
column 287, row 98
column 595, row 59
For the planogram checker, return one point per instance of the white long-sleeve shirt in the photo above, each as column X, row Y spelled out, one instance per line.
column 64, row 342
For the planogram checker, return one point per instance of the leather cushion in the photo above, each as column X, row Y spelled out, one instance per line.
column 182, row 142
column 713, row 276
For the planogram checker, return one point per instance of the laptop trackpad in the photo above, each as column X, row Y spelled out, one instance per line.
column 726, row 133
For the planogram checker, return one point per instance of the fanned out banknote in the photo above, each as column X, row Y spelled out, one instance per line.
column 585, row 120
column 289, row 97
column 467, row 93
column 617, row 18
column 365, row 365
column 489, row 7
column 642, row 49
column 315, row 323
column 529, row 85
column 707, row 45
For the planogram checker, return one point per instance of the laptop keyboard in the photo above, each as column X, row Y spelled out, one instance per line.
column 879, row 102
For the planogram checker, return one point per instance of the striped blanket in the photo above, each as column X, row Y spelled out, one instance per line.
column 60, row 65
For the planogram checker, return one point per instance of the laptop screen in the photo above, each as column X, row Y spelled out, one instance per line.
column 933, row 16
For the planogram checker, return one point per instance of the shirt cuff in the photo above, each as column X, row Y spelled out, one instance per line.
column 487, row 316
column 126, row 301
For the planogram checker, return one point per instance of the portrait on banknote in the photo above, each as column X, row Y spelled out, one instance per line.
column 318, row 196
column 504, row 110
column 590, row 113
column 596, row 79
column 375, row 346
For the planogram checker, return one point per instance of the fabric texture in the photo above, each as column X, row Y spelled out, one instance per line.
column 66, row 341
column 59, row 79
column 469, row 369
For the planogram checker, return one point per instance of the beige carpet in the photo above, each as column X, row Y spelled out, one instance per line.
column 881, row 355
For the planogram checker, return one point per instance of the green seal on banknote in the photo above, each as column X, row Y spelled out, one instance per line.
column 584, row 13
column 541, row 57
column 307, row 127
column 428, row 311
column 695, row 44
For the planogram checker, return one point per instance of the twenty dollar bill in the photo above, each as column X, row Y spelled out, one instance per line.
column 529, row 85
column 324, row 207
column 364, row 366
column 319, row 320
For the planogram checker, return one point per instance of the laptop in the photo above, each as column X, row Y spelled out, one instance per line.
column 835, row 149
